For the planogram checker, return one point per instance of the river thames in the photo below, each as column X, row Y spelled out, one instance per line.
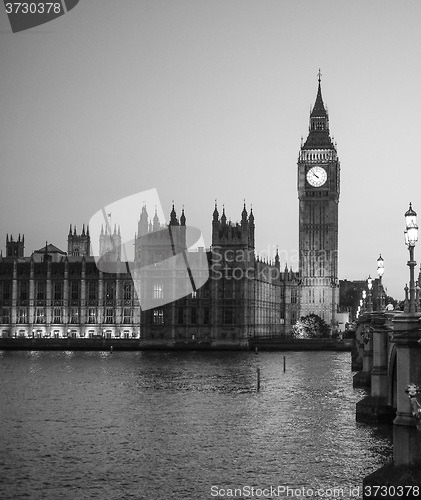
column 182, row 425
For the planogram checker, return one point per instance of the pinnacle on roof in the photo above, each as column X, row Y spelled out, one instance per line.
column 223, row 216
column 318, row 137
column 156, row 224
column 244, row 212
column 319, row 107
column 173, row 217
column 215, row 213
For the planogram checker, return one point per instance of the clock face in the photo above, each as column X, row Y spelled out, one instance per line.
column 316, row 176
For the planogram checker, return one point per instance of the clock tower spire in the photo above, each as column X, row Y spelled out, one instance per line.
column 318, row 194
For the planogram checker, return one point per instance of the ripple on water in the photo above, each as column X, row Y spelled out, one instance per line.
column 171, row 425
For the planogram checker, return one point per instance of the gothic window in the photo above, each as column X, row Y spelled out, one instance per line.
column 74, row 315
column 57, row 318
column 157, row 291
column 92, row 316
column 293, row 296
column 39, row 315
column 23, row 290
column 58, row 290
column 75, row 290
column 40, row 290
column 127, row 316
column 109, row 315
column 206, row 316
column 92, row 290
column 109, row 290
column 158, row 316
column 180, row 316
column 127, row 293
column 22, row 315
column 5, row 290
column 193, row 316
column 76, row 252
column 5, row 315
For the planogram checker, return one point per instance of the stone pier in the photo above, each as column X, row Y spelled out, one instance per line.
column 405, row 470
column 365, row 342
column 375, row 408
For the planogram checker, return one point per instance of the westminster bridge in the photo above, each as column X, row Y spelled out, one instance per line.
column 387, row 358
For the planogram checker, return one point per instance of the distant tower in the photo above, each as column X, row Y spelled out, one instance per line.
column 156, row 242
column 233, row 264
column 78, row 244
column 228, row 235
column 318, row 194
column 110, row 244
column 15, row 248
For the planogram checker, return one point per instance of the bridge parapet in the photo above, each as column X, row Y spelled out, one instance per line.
column 404, row 368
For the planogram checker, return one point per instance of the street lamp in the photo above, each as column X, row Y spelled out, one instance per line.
column 369, row 286
column 380, row 272
column 411, row 238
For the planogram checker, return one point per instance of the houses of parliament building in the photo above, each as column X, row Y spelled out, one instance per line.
column 57, row 294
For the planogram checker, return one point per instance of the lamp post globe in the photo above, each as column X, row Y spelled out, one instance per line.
column 380, row 272
column 369, row 300
column 411, row 238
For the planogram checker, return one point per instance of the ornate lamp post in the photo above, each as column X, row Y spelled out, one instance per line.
column 380, row 272
column 369, row 301
column 411, row 238
column 406, row 337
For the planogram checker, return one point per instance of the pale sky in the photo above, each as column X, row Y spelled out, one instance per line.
column 207, row 100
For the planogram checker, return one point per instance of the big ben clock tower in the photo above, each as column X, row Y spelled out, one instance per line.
column 318, row 194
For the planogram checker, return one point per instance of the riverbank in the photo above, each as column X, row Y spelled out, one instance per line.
column 90, row 344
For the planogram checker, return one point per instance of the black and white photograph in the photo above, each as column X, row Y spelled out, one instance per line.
column 210, row 285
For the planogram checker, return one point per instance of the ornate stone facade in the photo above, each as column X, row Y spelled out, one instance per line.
column 318, row 193
column 54, row 294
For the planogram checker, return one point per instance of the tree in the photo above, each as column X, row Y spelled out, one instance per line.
column 310, row 327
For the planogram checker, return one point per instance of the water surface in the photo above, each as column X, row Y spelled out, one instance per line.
column 155, row 425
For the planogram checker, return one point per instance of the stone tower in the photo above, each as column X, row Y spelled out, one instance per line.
column 110, row 244
column 318, row 194
column 233, row 272
column 78, row 244
column 15, row 248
